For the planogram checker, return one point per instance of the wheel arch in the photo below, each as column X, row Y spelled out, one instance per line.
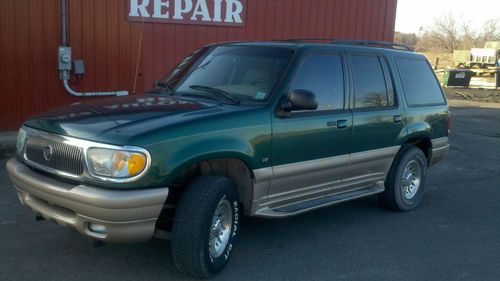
column 422, row 141
column 233, row 165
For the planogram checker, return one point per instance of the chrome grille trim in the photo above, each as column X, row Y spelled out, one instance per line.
column 75, row 148
column 66, row 158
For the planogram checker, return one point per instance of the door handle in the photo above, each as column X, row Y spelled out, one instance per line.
column 398, row 118
column 342, row 124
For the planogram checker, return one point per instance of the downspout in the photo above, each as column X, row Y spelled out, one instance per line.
column 64, row 57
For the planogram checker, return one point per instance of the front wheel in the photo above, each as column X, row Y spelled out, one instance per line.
column 404, row 186
column 205, row 226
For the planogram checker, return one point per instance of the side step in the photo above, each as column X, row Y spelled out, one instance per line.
column 328, row 200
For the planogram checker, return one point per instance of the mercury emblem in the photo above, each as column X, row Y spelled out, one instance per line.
column 47, row 152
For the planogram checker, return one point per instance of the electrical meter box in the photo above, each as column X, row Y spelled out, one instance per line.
column 64, row 58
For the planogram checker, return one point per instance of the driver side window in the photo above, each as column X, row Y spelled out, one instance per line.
column 323, row 75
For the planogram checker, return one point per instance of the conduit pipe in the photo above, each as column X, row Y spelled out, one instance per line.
column 65, row 70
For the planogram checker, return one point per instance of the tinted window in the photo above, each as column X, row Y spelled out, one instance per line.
column 322, row 75
column 370, row 89
column 419, row 83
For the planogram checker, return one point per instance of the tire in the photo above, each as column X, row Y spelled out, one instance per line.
column 405, row 194
column 194, row 249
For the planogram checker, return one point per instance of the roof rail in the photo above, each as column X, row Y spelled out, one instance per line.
column 385, row 44
column 367, row 43
column 305, row 39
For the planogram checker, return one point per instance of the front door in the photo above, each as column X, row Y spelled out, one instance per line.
column 311, row 148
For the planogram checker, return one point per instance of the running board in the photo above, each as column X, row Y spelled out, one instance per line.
column 306, row 206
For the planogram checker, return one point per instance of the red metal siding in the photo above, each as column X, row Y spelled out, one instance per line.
column 110, row 45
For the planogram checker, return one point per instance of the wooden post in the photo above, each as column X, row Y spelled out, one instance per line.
column 436, row 64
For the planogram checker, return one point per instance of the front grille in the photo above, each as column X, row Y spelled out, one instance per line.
column 63, row 157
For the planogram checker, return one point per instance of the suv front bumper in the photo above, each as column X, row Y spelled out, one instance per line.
column 118, row 215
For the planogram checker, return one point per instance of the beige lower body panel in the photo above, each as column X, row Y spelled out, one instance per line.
column 440, row 147
column 300, row 182
column 306, row 178
column 128, row 216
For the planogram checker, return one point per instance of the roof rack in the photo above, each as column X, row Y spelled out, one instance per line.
column 368, row 43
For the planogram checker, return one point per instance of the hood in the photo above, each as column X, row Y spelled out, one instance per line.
column 126, row 116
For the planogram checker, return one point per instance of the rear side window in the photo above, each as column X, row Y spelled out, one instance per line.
column 370, row 88
column 322, row 74
column 419, row 84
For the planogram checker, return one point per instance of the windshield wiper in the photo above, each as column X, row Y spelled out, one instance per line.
column 218, row 92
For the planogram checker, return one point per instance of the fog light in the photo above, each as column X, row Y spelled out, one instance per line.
column 98, row 228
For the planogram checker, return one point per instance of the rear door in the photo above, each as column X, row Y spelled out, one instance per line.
column 311, row 148
column 378, row 119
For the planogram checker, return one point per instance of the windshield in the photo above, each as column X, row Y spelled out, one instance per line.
column 247, row 74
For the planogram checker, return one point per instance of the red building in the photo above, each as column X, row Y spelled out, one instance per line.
column 127, row 44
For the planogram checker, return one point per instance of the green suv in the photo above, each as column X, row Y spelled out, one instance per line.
column 266, row 129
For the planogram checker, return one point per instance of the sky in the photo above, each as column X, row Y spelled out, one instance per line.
column 413, row 14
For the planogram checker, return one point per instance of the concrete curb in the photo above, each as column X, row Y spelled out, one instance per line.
column 467, row 103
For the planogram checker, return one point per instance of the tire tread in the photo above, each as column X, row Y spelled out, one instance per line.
column 388, row 198
column 190, row 220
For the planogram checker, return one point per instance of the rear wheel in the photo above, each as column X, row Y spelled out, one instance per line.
column 404, row 186
column 205, row 226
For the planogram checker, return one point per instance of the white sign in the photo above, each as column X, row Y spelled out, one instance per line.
column 204, row 12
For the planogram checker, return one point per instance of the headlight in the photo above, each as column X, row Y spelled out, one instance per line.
column 117, row 164
column 21, row 140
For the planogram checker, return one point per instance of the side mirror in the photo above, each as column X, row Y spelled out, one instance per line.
column 299, row 100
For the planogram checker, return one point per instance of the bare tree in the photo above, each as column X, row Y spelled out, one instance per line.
column 447, row 31
column 409, row 39
column 447, row 34
column 470, row 38
column 443, row 35
column 491, row 30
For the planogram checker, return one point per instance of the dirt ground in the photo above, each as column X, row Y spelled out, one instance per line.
column 478, row 97
column 482, row 90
